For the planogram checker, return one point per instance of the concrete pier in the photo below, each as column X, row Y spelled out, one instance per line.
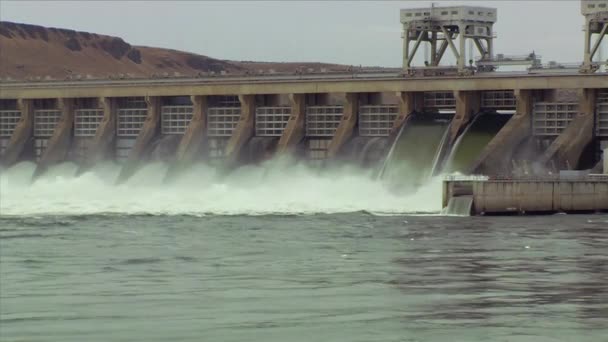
column 243, row 131
column 60, row 142
column 566, row 150
column 295, row 130
column 21, row 139
column 102, row 147
column 468, row 103
column 495, row 158
column 141, row 149
column 191, row 142
column 346, row 127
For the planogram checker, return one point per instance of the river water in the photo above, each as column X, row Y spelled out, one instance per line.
column 286, row 254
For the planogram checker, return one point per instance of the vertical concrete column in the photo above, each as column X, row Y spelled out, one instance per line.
column 490, row 44
column 105, row 136
column 406, row 49
column 605, row 170
column 61, row 141
column 347, row 125
column 148, row 133
column 463, row 51
column 433, row 60
column 409, row 102
column 590, row 51
column 496, row 157
column 296, row 126
column 587, row 52
column 568, row 147
column 468, row 104
column 22, row 135
column 192, row 140
column 244, row 129
column 524, row 102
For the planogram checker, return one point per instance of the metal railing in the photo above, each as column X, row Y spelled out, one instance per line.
column 377, row 120
column 322, row 121
column 130, row 121
column 221, row 121
column 175, row 119
column 551, row 118
column 8, row 122
column 271, row 121
column 439, row 99
column 500, row 99
column 86, row 122
column 45, row 121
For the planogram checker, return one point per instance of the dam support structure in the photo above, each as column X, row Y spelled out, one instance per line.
column 192, row 142
column 60, row 142
column 21, row 140
column 295, row 130
column 496, row 156
column 354, row 120
column 468, row 104
column 565, row 151
column 408, row 103
column 142, row 146
column 243, row 131
column 102, row 147
column 347, row 125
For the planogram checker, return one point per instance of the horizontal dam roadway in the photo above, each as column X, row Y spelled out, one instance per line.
column 306, row 83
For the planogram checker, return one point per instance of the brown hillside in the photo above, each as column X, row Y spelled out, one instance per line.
column 30, row 52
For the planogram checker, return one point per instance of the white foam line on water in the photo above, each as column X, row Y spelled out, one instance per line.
column 277, row 187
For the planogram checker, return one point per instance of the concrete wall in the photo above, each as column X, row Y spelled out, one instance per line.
column 606, row 161
column 532, row 196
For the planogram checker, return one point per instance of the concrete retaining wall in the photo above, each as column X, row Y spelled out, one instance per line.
column 519, row 196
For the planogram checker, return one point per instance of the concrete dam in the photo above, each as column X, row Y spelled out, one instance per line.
column 499, row 132
column 407, row 124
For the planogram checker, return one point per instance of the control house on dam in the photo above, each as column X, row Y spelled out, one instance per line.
column 476, row 119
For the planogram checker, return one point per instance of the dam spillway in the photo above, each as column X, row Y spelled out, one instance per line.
column 411, row 160
column 473, row 140
column 441, row 131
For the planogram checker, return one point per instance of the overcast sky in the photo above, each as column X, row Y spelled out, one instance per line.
column 360, row 32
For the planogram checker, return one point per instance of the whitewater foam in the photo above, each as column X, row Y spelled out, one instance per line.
column 276, row 187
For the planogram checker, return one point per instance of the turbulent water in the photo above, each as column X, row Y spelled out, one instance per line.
column 284, row 253
column 277, row 187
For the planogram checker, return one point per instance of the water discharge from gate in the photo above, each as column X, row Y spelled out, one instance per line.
column 415, row 153
column 276, row 187
column 473, row 140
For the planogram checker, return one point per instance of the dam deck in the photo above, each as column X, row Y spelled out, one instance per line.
column 293, row 84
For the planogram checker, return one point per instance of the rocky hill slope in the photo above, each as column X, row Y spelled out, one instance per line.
column 30, row 52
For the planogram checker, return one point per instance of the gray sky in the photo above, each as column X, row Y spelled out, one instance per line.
column 361, row 32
